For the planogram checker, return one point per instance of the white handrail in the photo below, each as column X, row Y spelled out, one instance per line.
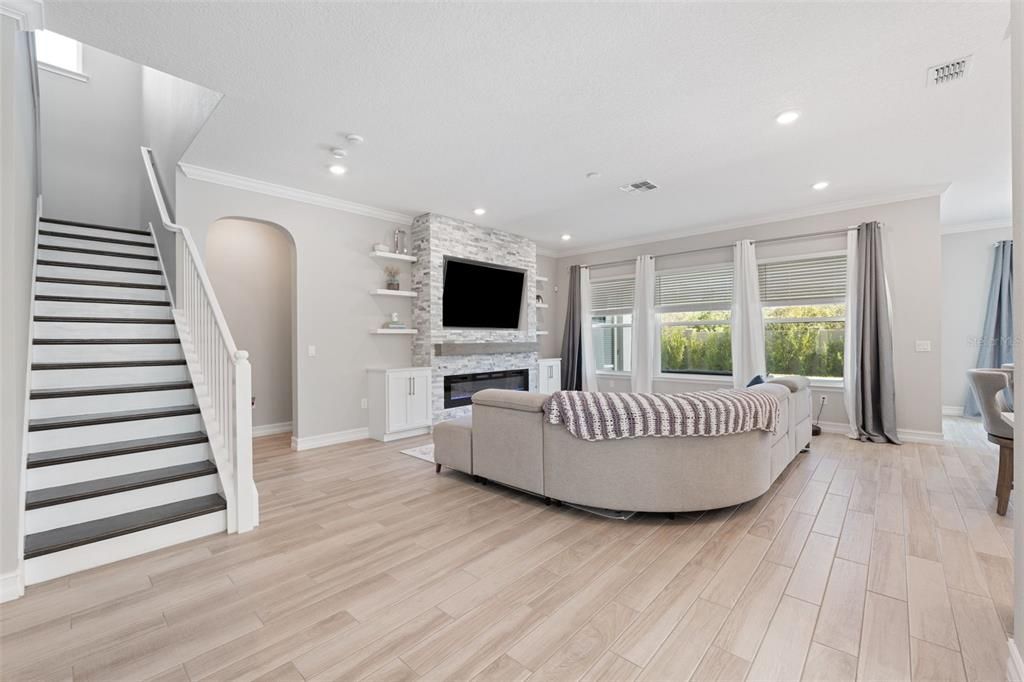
column 221, row 374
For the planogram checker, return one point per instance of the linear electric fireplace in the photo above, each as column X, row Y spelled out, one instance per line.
column 459, row 388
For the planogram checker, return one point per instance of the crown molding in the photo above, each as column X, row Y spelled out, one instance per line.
column 959, row 228
column 821, row 209
column 217, row 177
column 28, row 13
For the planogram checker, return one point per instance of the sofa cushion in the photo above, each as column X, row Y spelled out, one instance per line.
column 793, row 383
column 453, row 444
column 512, row 400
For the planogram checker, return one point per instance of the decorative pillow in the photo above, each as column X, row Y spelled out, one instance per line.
column 755, row 381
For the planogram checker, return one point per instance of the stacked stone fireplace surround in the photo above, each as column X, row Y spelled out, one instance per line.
column 432, row 238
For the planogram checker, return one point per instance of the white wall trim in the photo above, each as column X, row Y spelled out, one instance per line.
column 952, row 410
column 1014, row 664
column 875, row 200
column 325, row 439
column 28, row 13
column 67, row 73
column 271, row 429
column 906, row 435
column 958, row 228
column 217, row 177
column 12, row 586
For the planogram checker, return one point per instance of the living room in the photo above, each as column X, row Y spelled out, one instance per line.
column 383, row 294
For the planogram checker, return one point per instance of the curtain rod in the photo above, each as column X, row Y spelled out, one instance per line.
column 811, row 235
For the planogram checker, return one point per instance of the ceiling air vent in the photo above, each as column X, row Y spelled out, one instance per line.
column 639, row 186
column 949, row 72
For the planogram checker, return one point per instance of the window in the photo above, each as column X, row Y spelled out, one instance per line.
column 804, row 315
column 58, row 53
column 694, row 320
column 611, row 308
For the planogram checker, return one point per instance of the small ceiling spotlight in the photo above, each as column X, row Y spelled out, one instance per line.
column 339, row 153
column 787, row 117
column 593, row 174
column 337, row 169
column 479, row 211
column 352, row 138
column 566, row 237
column 818, row 186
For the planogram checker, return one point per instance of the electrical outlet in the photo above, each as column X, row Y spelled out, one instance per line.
column 923, row 346
column 254, row 401
column 824, row 400
column 363, row 403
column 311, row 351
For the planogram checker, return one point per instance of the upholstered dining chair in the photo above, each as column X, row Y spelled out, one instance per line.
column 989, row 386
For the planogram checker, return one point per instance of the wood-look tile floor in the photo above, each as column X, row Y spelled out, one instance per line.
column 868, row 562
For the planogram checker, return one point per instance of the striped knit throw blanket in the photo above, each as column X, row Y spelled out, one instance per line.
column 597, row 416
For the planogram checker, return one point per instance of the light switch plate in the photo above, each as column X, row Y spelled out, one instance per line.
column 312, row 351
column 923, row 346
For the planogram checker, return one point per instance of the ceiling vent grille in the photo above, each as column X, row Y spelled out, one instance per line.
column 950, row 72
column 639, row 186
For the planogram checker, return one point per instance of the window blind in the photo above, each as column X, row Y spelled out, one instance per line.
column 611, row 296
column 803, row 282
column 688, row 290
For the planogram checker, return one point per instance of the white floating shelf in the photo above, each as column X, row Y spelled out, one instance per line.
column 542, row 305
column 407, row 332
column 542, row 333
column 392, row 292
column 387, row 255
column 541, row 279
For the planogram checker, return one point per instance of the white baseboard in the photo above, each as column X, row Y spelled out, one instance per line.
column 1014, row 664
column 325, row 439
column 271, row 429
column 906, row 435
column 834, row 427
column 11, row 586
column 952, row 410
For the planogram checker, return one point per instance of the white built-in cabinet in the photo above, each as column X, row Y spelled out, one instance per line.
column 549, row 375
column 399, row 402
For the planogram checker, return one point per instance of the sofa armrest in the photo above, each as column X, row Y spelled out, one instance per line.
column 793, row 383
column 522, row 401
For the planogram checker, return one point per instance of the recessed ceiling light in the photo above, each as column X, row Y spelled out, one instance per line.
column 479, row 211
column 337, row 169
column 352, row 138
column 820, row 185
column 566, row 237
column 593, row 174
column 339, row 153
column 787, row 117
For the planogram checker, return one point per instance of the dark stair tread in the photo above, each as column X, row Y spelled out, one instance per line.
column 95, row 252
column 102, row 320
column 58, row 539
column 49, row 393
column 92, row 299
column 99, row 342
column 97, row 282
column 95, row 226
column 125, row 447
column 95, row 266
column 93, row 238
column 47, row 497
column 50, row 423
column 107, row 364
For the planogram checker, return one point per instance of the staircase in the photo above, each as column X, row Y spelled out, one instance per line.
column 119, row 461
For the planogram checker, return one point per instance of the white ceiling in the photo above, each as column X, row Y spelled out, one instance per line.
column 508, row 106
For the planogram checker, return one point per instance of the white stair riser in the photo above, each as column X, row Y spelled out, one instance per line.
column 102, row 330
column 96, row 275
column 105, row 467
column 106, row 352
column 98, row 434
column 80, row 511
column 93, row 259
column 48, row 240
column 81, row 309
column 93, row 232
column 87, row 291
column 106, row 376
column 57, row 564
column 115, row 402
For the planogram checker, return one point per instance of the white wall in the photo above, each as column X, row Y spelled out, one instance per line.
column 91, row 131
column 966, row 273
column 547, row 318
column 18, row 191
column 914, row 268
column 334, row 310
column 252, row 269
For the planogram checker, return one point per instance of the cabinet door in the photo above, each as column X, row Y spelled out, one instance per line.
column 419, row 411
column 399, row 390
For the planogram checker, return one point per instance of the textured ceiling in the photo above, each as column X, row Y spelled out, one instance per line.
column 508, row 106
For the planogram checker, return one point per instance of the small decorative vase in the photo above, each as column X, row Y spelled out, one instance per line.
column 392, row 284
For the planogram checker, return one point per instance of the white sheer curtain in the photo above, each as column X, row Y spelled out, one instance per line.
column 645, row 344
column 587, row 334
column 851, row 348
column 747, row 323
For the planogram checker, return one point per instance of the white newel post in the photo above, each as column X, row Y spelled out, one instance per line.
column 245, row 501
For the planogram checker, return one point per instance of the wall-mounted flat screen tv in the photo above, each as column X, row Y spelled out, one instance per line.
column 477, row 295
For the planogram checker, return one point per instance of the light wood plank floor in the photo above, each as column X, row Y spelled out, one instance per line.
column 876, row 562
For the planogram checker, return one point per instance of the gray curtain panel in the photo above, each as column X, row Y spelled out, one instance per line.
column 875, row 398
column 995, row 346
column 572, row 339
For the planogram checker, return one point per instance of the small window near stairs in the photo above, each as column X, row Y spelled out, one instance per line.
column 59, row 54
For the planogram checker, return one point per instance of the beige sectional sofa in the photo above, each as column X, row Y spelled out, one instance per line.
column 510, row 442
